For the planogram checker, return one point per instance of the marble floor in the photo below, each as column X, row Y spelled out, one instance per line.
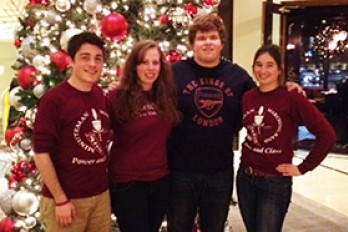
column 319, row 201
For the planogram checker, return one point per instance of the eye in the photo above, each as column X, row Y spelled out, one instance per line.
column 200, row 38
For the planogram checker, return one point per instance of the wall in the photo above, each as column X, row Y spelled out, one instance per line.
column 247, row 31
column 7, row 58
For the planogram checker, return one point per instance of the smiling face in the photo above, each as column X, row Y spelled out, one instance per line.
column 149, row 68
column 207, row 47
column 87, row 66
column 267, row 72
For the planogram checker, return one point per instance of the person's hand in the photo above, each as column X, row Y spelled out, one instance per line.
column 288, row 170
column 113, row 85
column 65, row 214
column 290, row 85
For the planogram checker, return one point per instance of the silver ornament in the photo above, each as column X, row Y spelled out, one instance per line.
column 25, row 203
column 63, row 5
column 25, row 144
column 51, row 17
column 179, row 18
column 66, row 36
column 92, row 6
column 6, row 200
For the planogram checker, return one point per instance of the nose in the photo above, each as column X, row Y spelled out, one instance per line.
column 150, row 66
column 92, row 62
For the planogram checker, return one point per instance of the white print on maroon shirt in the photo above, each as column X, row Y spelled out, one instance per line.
column 209, row 98
column 257, row 124
column 148, row 109
column 91, row 141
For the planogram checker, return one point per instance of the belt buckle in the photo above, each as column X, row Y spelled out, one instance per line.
column 250, row 171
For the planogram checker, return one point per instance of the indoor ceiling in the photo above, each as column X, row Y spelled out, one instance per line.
column 9, row 12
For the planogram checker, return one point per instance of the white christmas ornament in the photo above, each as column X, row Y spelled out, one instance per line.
column 25, row 203
column 29, row 222
column 92, row 6
column 39, row 90
column 29, row 117
column 66, row 36
column 14, row 99
column 63, row 5
column 27, row 47
column 39, row 61
column 161, row 2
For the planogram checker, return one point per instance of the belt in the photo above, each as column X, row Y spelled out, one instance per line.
column 250, row 171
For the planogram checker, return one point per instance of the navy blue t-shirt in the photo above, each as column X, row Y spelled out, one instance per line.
column 210, row 101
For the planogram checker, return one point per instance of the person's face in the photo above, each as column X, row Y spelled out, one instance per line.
column 87, row 65
column 207, row 48
column 267, row 72
column 149, row 68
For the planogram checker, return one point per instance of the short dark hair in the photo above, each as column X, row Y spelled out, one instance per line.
column 273, row 50
column 205, row 23
column 78, row 40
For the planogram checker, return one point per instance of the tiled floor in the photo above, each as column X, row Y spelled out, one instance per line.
column 319, row 202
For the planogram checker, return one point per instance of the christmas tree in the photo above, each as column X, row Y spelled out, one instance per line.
column 42, row 63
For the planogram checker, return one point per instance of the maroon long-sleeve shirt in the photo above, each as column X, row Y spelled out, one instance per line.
column 73, row 128
column 139, row 150
column 272, row 119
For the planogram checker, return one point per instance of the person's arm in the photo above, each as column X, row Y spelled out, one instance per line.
column 325, row 135
column 65, row 210
column 290, row 86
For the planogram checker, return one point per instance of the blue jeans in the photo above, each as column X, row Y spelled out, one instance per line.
column 208, row 195
column 263, row 201
column 140, row 205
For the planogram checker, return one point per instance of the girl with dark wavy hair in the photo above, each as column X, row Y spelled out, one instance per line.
column 144, row 110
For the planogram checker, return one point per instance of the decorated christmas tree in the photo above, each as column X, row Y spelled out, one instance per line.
column 42, row 63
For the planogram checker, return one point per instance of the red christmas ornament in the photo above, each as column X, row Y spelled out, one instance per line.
column 26, row 76
column 210, row 2
column 17, row 43
column 40, row 2
column 191, row 9
column 61, row 60
column 114, row 27
column 31, row 23
column 23, row 124
column 11, row 133
column 119, row 71
column 173, row 56
column 7, row 224
column 163, row 19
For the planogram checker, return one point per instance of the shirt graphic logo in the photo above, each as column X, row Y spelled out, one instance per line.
column 91, row 141
column 256, row 125
column 208, row 101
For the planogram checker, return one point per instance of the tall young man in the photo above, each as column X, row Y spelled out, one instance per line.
column 71, row 135
column 210, row 90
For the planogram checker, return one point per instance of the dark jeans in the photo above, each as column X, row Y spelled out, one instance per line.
column 263, row 201
column 140, row 205
column 207, row 194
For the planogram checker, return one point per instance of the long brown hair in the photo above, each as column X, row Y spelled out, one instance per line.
column 129, row 100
